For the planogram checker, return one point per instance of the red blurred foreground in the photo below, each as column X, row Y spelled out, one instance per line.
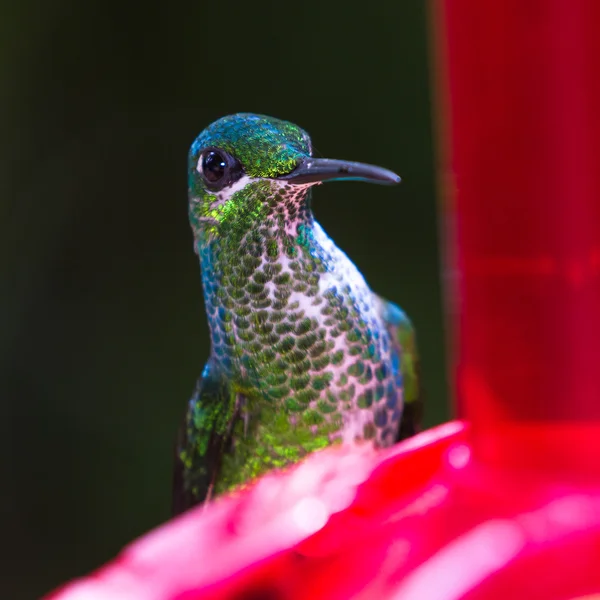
column 506, row 503
column 421, row 521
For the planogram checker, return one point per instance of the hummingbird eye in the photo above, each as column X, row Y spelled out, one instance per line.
column 213, row 166
column 218, row 168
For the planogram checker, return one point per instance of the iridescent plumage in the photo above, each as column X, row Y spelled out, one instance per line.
column 303, row 354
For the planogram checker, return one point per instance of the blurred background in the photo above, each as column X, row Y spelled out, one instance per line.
column 103, row 330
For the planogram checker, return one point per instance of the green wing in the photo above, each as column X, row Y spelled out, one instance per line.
column 204, row 437
column 403, row 333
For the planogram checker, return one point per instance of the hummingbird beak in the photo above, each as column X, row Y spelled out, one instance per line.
column 314, row 170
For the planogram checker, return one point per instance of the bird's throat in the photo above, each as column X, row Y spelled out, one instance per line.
column 258, row 274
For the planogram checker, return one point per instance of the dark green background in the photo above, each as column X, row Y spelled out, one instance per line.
column 103, row 330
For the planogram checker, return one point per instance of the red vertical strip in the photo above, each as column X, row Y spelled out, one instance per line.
column 523, row 158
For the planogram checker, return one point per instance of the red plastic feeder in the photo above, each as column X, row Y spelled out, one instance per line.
column 505, row 503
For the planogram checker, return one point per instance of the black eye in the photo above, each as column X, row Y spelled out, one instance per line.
column 218, row 168
column 214, row 166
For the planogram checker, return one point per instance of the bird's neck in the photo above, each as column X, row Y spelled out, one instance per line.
column 244, row 274
column 264, row 243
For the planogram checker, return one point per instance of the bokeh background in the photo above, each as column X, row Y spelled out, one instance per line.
column 103, row 330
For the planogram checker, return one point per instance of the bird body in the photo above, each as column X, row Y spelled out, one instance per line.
column 303, row 353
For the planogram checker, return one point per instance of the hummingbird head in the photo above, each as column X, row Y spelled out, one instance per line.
column 248, row 170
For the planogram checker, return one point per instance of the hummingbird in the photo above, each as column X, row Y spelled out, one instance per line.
column 303, row 354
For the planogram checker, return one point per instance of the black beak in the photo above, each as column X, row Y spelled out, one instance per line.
column 313, row 170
